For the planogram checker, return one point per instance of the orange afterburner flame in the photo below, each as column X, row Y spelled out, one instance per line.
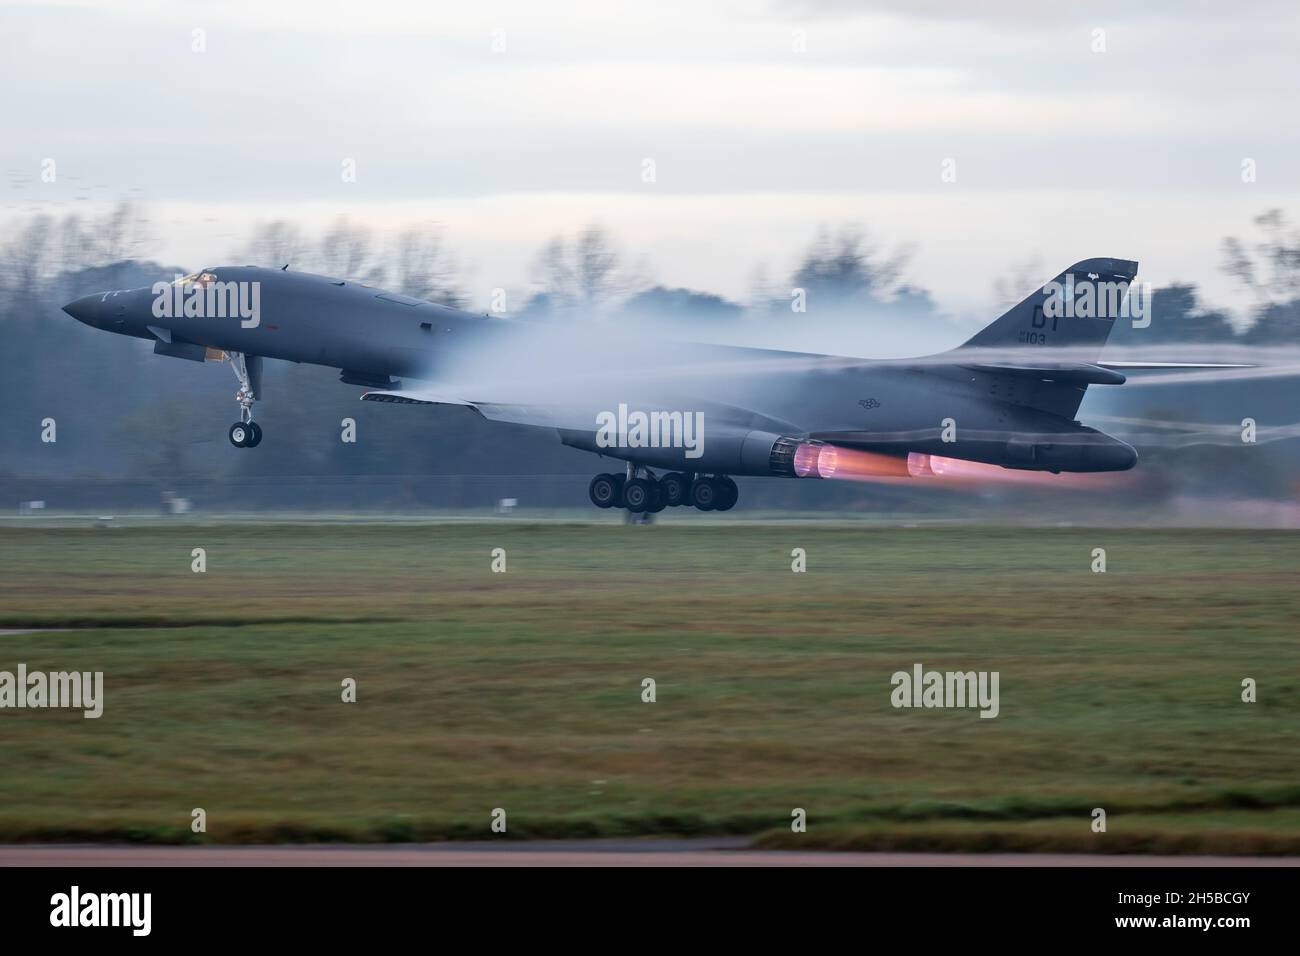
column 849, row 464
column 831, row 461
column 956, row 471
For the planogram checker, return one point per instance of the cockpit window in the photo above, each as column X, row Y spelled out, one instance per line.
column 196, row 278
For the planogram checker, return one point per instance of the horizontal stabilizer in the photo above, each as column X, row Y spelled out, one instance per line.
column 1155, row 366
column 1067, row 373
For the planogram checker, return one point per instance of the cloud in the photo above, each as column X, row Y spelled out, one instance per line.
column 1028, row 12
column 1058, row 149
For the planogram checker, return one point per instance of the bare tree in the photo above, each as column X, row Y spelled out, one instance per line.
column 26, row 261
column 345, row 251
column 74, row 244
column 274, row 244
column 846, row 266
column 1271, row 268
column 596, row 266
column 582, row 275
column 113, row 237
column 423, row 269
column 553, row 272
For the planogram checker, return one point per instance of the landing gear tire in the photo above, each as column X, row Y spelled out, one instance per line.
column 604, row 491
column 704, row 494
column 240, row 434
column 255, row 438
column 728, row 494
column 638, row 495
column 676, row 487
column 659, row 501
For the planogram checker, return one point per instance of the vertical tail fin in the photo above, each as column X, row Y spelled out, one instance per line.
column 1076, row 310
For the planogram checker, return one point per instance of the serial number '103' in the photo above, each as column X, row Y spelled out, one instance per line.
column 1039, row 321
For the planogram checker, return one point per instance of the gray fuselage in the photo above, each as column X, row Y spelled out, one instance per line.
column 749, row 397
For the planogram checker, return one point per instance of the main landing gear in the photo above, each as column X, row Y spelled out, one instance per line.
column 246, row 433
column 640, row 492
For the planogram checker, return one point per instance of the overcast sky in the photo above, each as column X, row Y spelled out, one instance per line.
column 506, row 122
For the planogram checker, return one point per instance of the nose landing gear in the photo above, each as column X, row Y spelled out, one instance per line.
column 246, row 433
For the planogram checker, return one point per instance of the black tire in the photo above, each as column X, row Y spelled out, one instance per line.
column 638, row 495
column 603, row 491
column 676, row 487
column 704, row 494
column 256, row 438
column 239, row 435
column 659, row 500
column 619, row 482
column 728, row 494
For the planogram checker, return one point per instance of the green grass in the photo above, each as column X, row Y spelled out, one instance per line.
column 523, row 690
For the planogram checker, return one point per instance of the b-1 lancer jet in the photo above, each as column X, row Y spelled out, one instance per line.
column 681, row 417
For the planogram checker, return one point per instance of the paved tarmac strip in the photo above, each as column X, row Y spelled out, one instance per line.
column 566, row 853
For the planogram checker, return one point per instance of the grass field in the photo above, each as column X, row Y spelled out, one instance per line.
column 522, row 690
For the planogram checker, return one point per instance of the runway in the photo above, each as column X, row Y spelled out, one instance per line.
column 574, row 853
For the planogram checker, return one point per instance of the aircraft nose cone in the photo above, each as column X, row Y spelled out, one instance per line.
column 87, row 309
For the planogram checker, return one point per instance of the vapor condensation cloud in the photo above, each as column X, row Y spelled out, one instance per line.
column 1167, row 433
